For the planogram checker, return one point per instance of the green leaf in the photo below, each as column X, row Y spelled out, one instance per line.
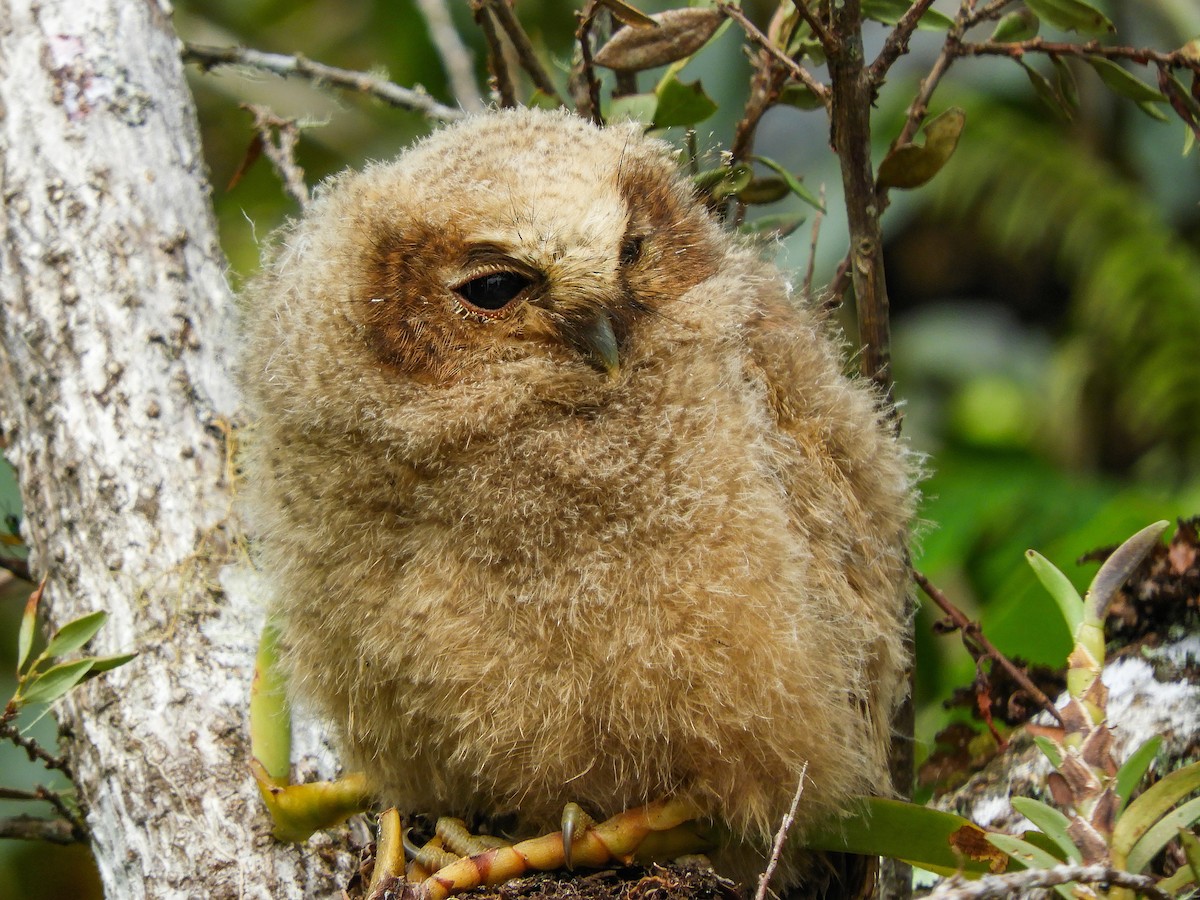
column 1117, row 568
column 633, row 108
column 1134, row 769
column 681, row 104
column 54, row 682
column 889, row 12
column 1191, row 852
column 764, row 190
column 723, row 182
column 1016, row 26
column 1031, row 857
column 934, row 840
column 1065, row 82
column 1049, row 749
column 1070, row 604
column 1150, row 108
column 1072, row 15
column 1122, row 82
column 1160, row 835
column 794, row 184
column 102, row 664
column 771, row 227
column 911, row 165
column 1155, row 802
column 1050, row 822
column 28, row 627
column 270, row 713
column 74, row 634
column 1049, row 94
column 798, row 96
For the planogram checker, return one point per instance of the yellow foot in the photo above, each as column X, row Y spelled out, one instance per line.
column 298, row 810
column 667, row 823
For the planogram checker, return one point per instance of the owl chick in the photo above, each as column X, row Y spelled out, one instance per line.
column 565, row 496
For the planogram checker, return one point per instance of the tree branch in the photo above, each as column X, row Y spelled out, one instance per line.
column 280, row 64
column 31, row 828
column 972, row 631
column 1141, row 55
column 997, row 887
column 818, row 28
column 793, row 68
column 456, row 58
column 896, row 43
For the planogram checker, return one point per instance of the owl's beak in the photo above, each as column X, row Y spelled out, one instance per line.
column 596, row 339
column 599, row 338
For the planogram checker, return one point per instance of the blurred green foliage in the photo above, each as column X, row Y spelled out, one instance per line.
column 1046, row 288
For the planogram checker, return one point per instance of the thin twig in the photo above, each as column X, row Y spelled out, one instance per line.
column 781, row 836
column 525, row 53
column 505, row 90
column 896, row 43
column 415, row 99
column 34, row 750
column 971, row 630
column 1010, row 884
column 796, row 70
column 277, row 138
column 819, row 30
column 31, row 828
column 1177, row 59
column 810, row 272
column 986, row 12
column 456, row 58
column 586, row 89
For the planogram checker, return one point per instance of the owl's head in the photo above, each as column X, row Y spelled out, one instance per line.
column 516, row 237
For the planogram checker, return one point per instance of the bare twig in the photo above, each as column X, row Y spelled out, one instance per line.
column 810, row 272
column 818, row 28
column 794, row 69
column 586, row 86
column 987, row 11
column 507, row 20
column 971, row 631
column 33, row 749
column 502, row 80
column 896, row 44
column 1010, row 884
column 31, row 828
column 1141, row 55
column 780, row 837
column 280, row 64
column 277, row 138
column 456, row 58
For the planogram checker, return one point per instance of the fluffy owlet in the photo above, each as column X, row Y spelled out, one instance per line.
column 566, row 497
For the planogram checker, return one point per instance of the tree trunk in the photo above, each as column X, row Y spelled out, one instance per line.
column 116, row 406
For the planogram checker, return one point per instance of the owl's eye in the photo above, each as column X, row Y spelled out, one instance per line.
column 493, row 291
column 631, row 250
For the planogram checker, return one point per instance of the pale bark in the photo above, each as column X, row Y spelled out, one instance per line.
column 116, row 401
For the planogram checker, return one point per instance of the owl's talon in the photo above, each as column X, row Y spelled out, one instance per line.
column 573, row 819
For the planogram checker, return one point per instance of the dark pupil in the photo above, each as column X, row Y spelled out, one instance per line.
column 493, row 291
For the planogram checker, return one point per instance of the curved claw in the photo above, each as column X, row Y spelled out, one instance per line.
column 573, row 819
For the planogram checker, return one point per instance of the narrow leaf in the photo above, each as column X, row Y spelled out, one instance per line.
column 1016, row 26
column 1161, row 834
column 102, row 664
column 1047, row 92
column 1191, row 851
column 798, row 96
column 680, row 33
column 28, row 626
column 1117, row 568
column 54, row 682
column 1155, row 802
column 1072, row 15
column 1122, row 82
column 1134, row 769
column 1050, row 822
column 724, row 182
column 1031, row 857
column 270, row 714
column 764, row 190
column 75, row 634
column 889, row 12
column 1150, row 108
column 911, row 165
column 1050, row 750
column 1070, row 604
column 771, row 227
column 925, row 837
column 794, row 184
